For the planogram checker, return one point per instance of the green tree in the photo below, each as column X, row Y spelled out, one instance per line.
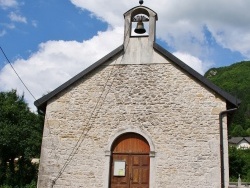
column 248, row 132
column 236, row 164
column 20, row 137
column 238, row 130
column 239, row 163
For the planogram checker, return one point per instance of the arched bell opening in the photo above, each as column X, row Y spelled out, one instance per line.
column 140, row 23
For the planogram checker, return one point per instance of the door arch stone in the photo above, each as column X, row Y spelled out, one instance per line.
column 107, row 153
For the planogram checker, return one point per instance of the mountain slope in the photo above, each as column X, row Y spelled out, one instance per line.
column 235, row 79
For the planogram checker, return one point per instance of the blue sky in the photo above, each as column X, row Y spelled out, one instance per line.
column 49, row 42
column 44, row 20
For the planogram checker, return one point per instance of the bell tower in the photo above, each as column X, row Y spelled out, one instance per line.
column 138, row 41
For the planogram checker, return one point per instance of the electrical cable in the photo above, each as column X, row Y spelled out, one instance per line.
column 80, row 140
column 28, row 91
column 48, row 124
column 17, row 74
column 87, row 128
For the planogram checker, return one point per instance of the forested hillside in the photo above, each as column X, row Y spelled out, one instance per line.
column 235, row 79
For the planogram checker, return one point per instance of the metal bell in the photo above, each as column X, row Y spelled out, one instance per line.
column 140, row 28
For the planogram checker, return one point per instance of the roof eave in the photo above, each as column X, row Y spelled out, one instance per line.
column 42, row 102
column 233, row 101
column 137, row 7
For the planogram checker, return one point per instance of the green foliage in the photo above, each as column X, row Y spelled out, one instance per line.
column 21, row 133
column 236, row 163
column 30, row 185
column 5, row 186
column 248, row 132
column 239, row 163
column 235, row 79
column 237, row 130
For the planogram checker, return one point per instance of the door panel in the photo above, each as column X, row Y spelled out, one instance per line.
column 120, row 181
column 140, row 171
column 136, row 173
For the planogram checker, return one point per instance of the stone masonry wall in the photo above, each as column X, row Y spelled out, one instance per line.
column 175, row 111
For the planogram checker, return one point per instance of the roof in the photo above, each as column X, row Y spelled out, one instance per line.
column 236, row 140
column 143, row 10
column 229, row 98
column 233, row 102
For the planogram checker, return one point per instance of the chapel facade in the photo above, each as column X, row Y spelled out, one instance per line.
column 137, row 118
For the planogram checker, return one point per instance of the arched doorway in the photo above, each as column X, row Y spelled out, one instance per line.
column 130, row 162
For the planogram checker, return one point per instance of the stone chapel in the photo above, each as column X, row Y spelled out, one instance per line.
column 137, row 118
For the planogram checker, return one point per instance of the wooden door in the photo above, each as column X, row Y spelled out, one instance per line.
column 132, row 149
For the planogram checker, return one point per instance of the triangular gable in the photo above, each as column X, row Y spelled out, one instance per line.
column 238, row 140
column 232, row 101
column 235, row 140
column 247, row 139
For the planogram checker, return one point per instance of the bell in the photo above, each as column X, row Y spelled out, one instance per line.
column 140, row 28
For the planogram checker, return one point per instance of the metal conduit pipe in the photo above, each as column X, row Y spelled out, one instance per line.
column 222, row 146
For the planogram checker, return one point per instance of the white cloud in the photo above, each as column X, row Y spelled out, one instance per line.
column 181, row 24
column 10, row 26
column 17, row 18
column 34, row 23
column 5, row 29
column 8, row 3
column 56, row 62
column 2, row 33
column 238, row 39
column 193, row 62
